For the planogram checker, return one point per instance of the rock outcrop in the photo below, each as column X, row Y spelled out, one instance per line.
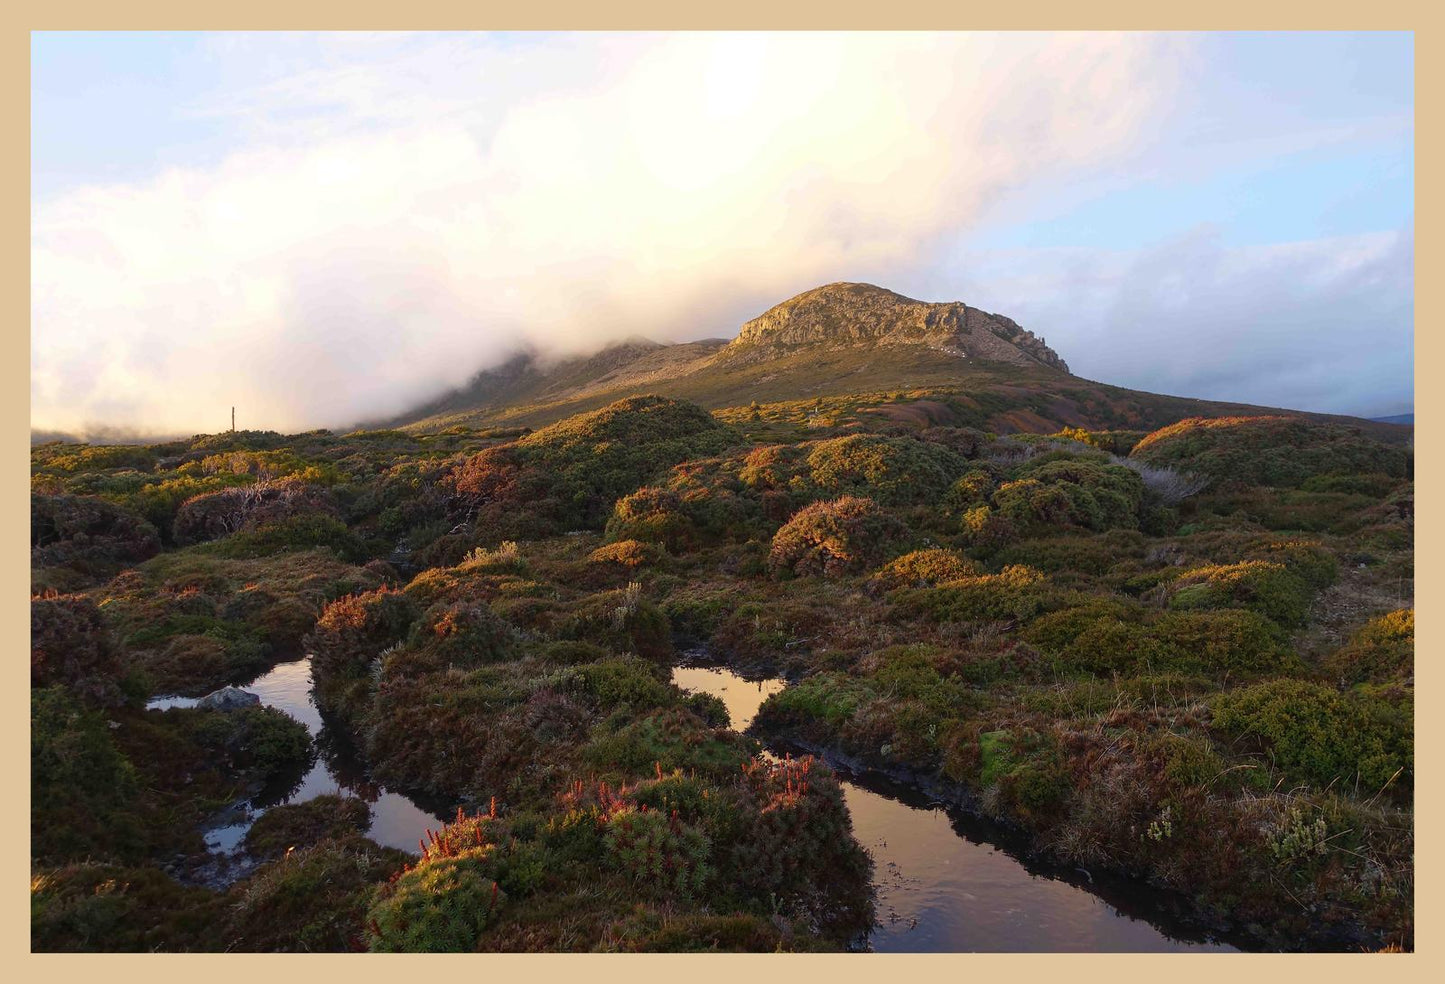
column 850, row 315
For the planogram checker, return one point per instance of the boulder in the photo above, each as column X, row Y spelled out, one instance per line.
column 228, row 699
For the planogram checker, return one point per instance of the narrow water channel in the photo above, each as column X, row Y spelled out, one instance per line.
column 943, row 884
column 943, row 888
column 397, row 820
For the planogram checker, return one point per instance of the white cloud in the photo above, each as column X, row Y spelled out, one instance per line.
column 407, row 209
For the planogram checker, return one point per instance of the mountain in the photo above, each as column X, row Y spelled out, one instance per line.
column 856, row 343
column 1408, row 419
column 861, row 315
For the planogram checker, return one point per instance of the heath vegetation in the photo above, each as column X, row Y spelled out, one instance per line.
column 1182, row 655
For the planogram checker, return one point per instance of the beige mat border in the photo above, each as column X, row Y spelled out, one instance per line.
column 18, row 19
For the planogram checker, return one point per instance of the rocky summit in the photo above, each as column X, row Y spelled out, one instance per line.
column 862, row 315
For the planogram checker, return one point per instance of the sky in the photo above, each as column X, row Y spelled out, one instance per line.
column 328, row 228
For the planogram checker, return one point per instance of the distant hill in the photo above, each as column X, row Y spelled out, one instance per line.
column 841, row 340
column 1399, row 418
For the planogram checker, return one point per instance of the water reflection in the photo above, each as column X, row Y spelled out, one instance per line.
column 742, row 697
column 945, row 882
column 943, row 885
column 397, row 820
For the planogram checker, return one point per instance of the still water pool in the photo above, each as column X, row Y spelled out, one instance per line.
column 397, row 820
column 944, row 881
column 943, row 887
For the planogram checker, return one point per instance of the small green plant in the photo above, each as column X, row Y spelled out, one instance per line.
column 628, row 605
column 1161, row 828
column 506, row 554
column 1294, row 839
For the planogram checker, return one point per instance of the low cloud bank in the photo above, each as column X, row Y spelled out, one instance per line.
column 579, row 192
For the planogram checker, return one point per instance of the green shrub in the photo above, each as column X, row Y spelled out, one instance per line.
column 96, row 907
column 924, row 568
column 712, row 710
column 630, row 681
column 1306, row 558
column 621, row 620
column 70, row 645
column 973, row 489
column 1063, row 493
column 249, row 507
column 1110, row 645
column 353, row 630
column 1382, row 650
column 463, row 634
column 160, row 501
column 439, row 906
column 1119, row 442
column 570, row 474
column 82, row 789
column 1188, row 762
column 299, row 825
column 1215, row 643
column 88, row 534
column 626, row 554
column 1314, row 734
column 1268, row 588
column 195, row 663
column 313, row 900
column 986, row 532
column 84, row 457
column 1029, row 771
column 834, row 538
column 1274, row 451
column 1375, row 485
column 670, row 738
column 1229, row 641
column 771, row 468
column 1074, row 555
column 1291, row 509
column 1056, row 631
column 790, row 845
column 304, row 532
column 892, row 471
column 1013, row 593
column 652, row 515
column 261, row 741
column 831, row 698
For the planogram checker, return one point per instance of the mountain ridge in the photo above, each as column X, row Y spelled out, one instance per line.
column 858, row 341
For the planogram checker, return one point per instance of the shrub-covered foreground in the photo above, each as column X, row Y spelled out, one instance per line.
column 1185, row 656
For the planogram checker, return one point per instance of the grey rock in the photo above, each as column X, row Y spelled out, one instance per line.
column 228, row 699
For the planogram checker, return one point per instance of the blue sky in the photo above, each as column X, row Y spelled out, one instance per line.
column 1218, row 215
